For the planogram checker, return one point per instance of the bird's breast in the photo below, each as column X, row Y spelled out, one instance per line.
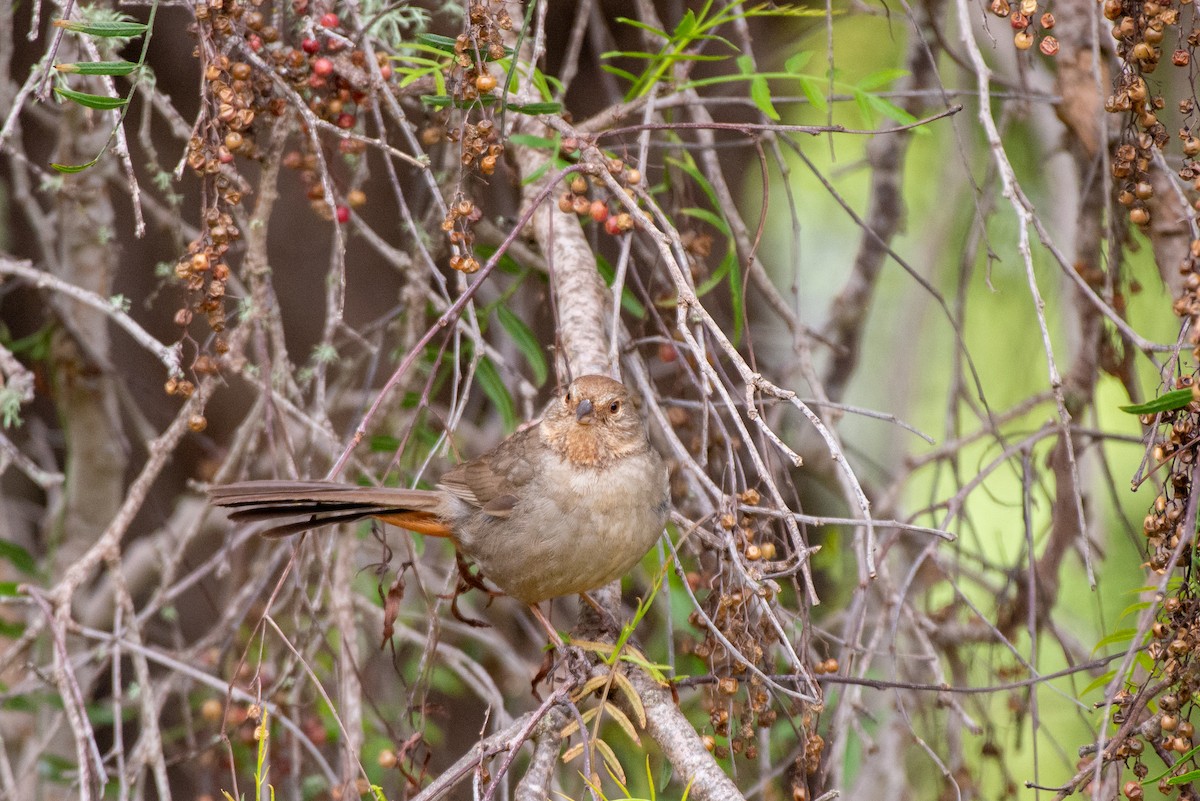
column 574, row 528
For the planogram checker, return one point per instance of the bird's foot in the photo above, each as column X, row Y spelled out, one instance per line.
column 574, row 661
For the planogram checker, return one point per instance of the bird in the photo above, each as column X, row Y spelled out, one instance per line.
column 561, row 507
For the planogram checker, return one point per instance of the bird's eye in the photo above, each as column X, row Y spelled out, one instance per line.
column 614, row 407
column 567, row 397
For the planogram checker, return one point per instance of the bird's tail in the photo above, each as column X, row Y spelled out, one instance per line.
column 296, row 506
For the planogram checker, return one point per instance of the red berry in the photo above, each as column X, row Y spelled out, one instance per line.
column 385, row 70
column 611, row 226
column 345, row 120
column 329, row 21
column 316, row 81
column 310, row 46
column 599, row 210
column 343, row 214
column 255, row 42
column 322, row 67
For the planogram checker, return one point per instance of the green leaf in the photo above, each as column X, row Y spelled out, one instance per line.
column 714, row 220
column 862, row 100
column 760, row 90
column 493, row 387
column 735, row 294
column 383, row 443
column 686, row 27
column 1098, row 683
column 447, row 44
column 506, row 264
column 97, row 68
column 1119, row 636
column 71, row 169
column 812, row 89
column 628, row 302
column 1134, row 607
column 9, row 588
column 890, row 109
column 526, row 342
column 536, row 175
column 620, row 73
column 797, row 62
column 880, row 79
column 536, row 142
column 443, row 44
column 688, row 165
column 111, row 28
column 18, row 557
column 534, row 108
column 1167, row 402
column 101, row 102
column 1184, row 778
column 639, row 24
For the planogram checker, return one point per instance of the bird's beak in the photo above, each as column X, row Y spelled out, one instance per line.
column 583, row 412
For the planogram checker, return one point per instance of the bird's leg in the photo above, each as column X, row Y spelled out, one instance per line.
column 577, row 661
column 555, row 639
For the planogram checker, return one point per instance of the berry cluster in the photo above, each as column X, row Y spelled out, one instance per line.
column 578, row 201
column 480, row 145
column 324, row 67
column 738, row 702
column 1025, row 31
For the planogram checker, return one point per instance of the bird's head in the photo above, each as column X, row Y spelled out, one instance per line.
column 594, row 422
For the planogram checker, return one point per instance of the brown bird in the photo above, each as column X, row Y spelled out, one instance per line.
column 562, row 507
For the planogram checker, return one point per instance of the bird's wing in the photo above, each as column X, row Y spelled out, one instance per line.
column 493, row 481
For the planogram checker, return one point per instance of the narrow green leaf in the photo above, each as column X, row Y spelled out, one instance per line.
column 529, row 140
column 536, row 175
column 534, row 108
column 620, row 73
column 1184, row 778
column 526, row 342
column 880, row 79
column 861, row 99
column 797, row 62
column 114, row 28
column 507, row 263
column 735, row 294
column 812, row 89
column 101, row 102
column 628, row 302
column 18, row 557
column 444, row 44
column 760, row 90
column 1134, row 607
column 688, row 165
column 714, row 280
column 9, row 588
column 493, row 387
column 71, row 169
column 97, row 68
column 639, row 24
column 383, row 443
column 714, row 220
column 634, row 54
column 1119, row 636
column 1167, row 402
column 1098, row 683
column 890, row 109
